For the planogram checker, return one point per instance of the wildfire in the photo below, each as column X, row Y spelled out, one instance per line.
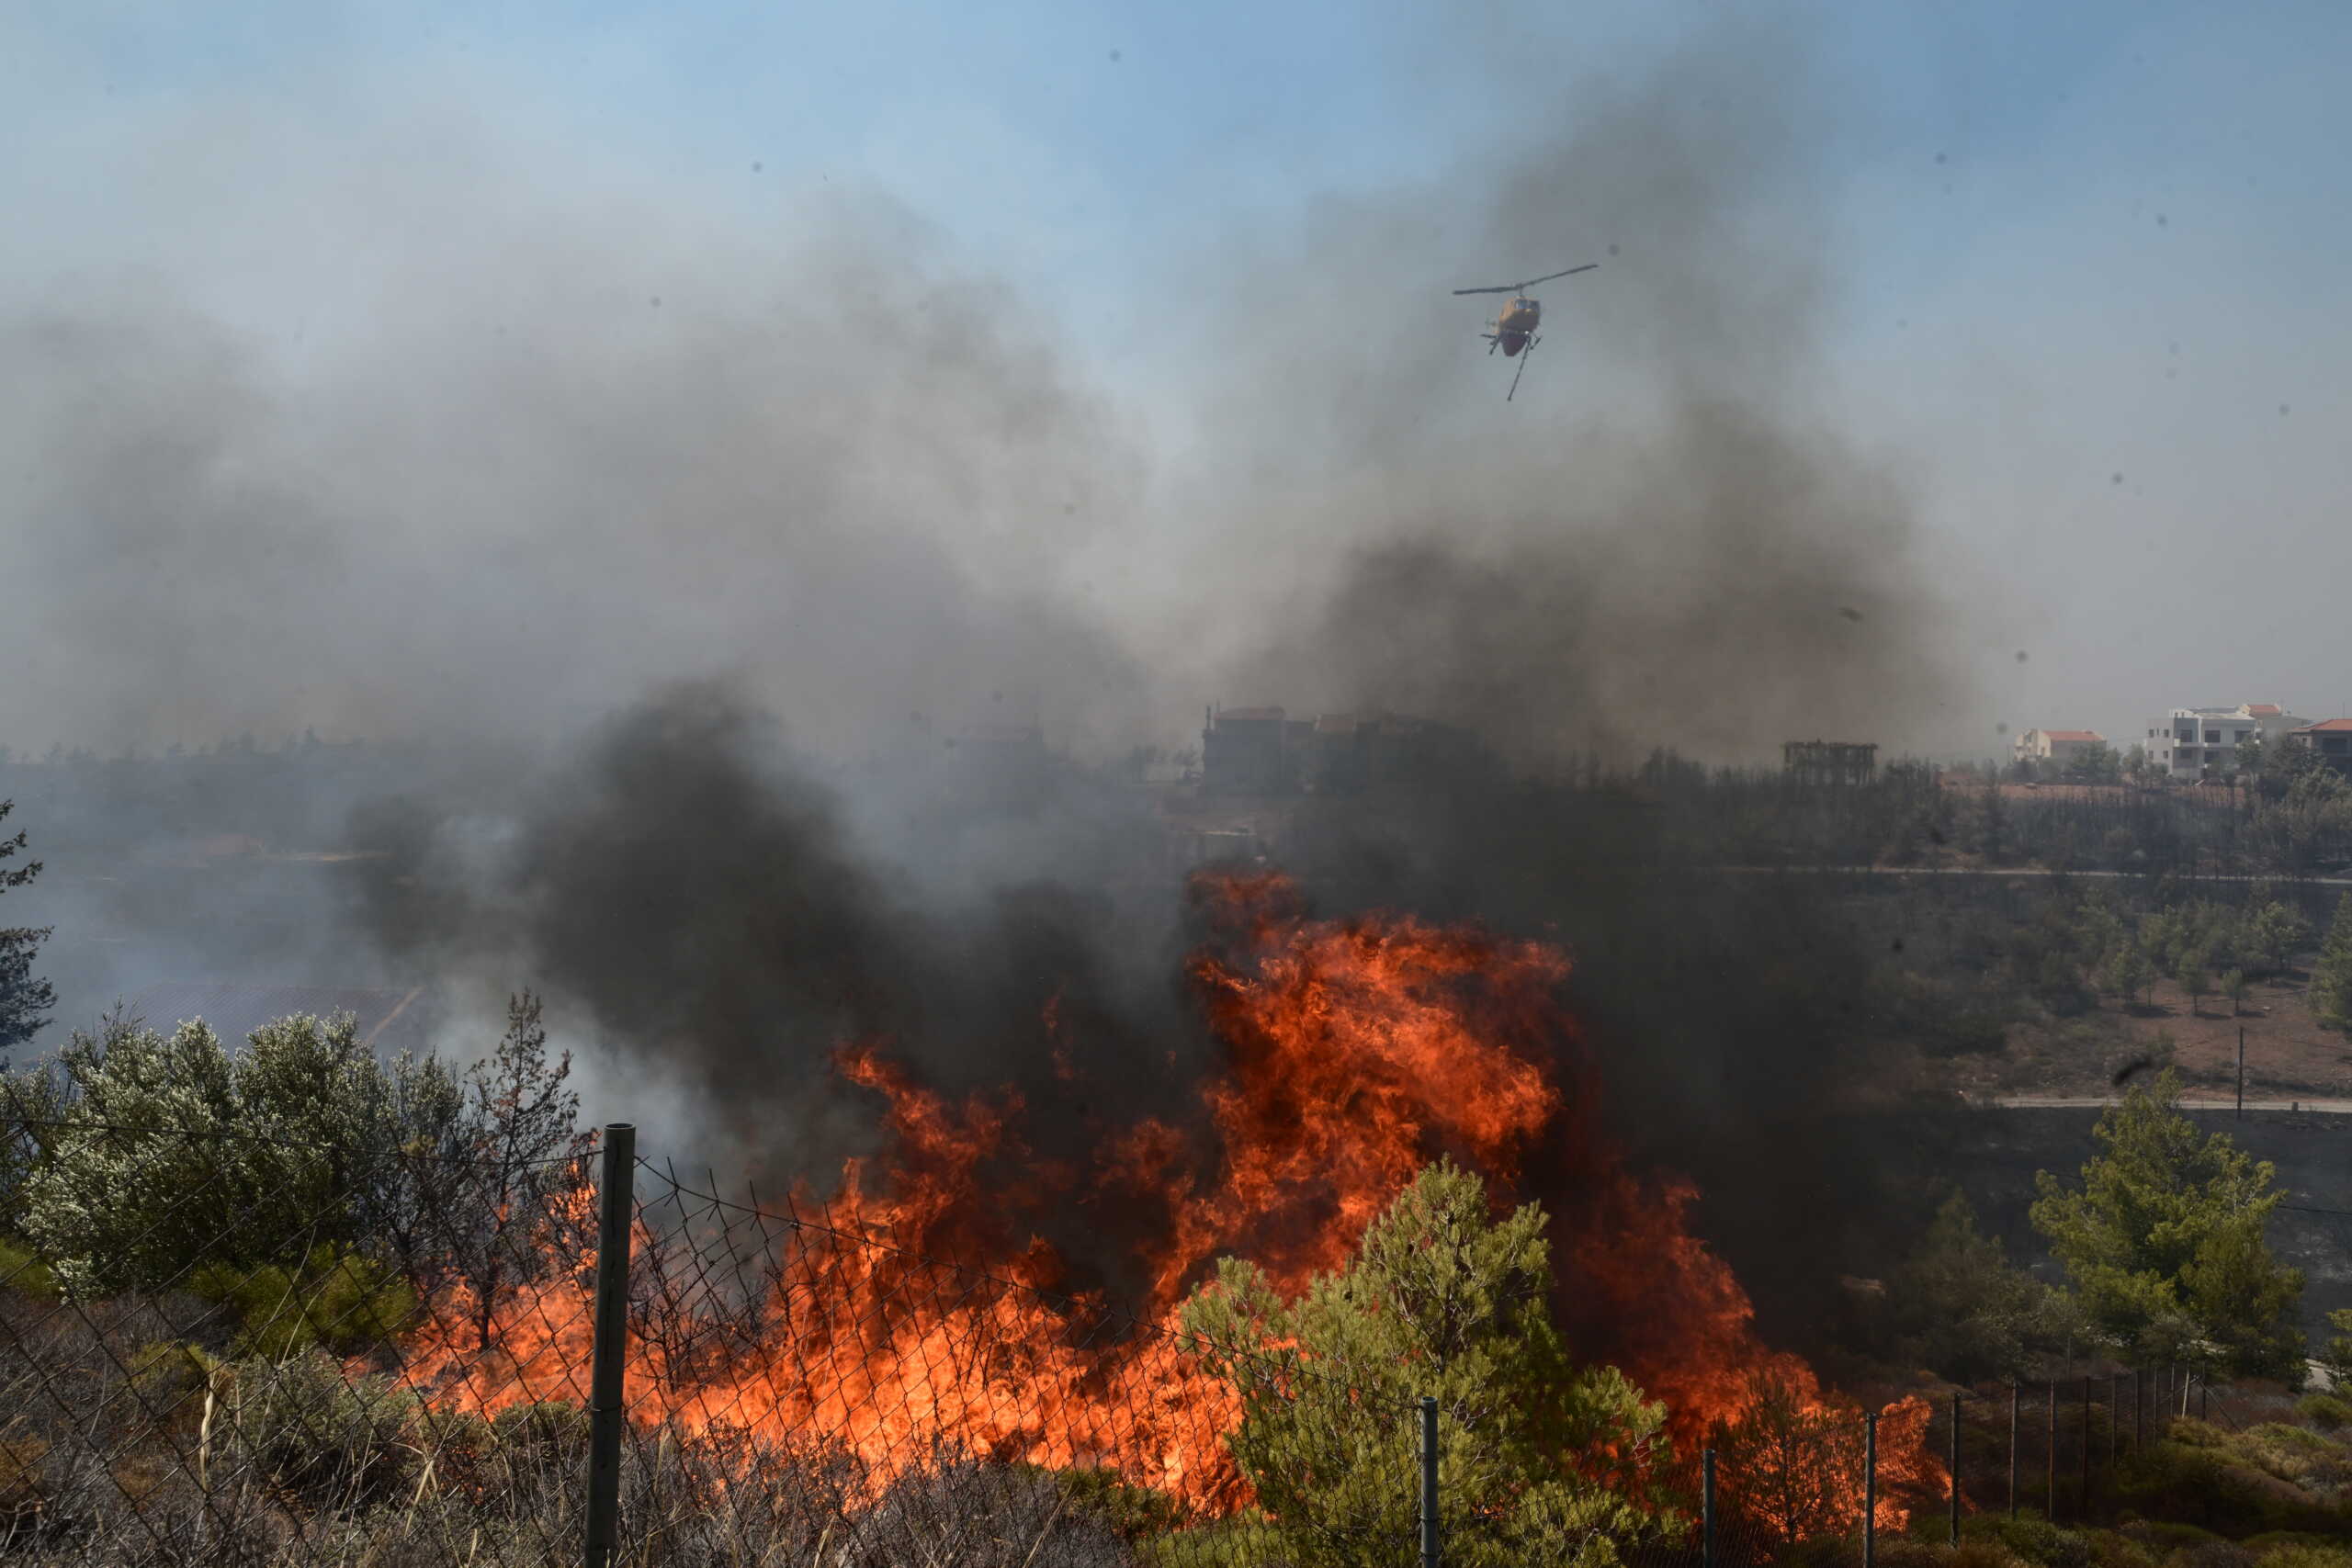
column 911, row 1314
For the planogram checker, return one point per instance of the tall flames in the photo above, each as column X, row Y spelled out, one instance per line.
column 907, row 1313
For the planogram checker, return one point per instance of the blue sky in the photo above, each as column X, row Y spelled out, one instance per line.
column 2073, row 242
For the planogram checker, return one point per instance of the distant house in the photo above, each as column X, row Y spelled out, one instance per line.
column 2332, row 738
column 388, row 1020
column 2189, row 744
column 2057, row 748
column 1831, row 764
column 1248, row 751
column 1265, row 751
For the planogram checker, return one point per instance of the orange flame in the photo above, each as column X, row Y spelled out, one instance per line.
column 1357, row 1052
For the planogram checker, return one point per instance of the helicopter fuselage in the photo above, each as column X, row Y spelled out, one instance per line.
column 1516, row 324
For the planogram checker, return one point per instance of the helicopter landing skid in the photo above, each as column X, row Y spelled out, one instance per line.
column 1524, row 356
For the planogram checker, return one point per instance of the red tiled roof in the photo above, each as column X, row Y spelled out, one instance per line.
column 2263, row 710
column 2327, row 726
column 2071, row 734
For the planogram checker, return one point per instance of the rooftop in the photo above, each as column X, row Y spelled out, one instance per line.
column 2071, row 734
column 2328, row 726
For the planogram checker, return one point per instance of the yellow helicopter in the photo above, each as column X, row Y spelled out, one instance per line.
column 1513, row 331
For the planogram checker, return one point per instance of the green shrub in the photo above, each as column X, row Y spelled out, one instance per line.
column 2294, row 1454
column 2164, row 1536
column 2112, row 1549
column 2211, row 1487
column 2041, row 1542
column 342, row 1303
column 1131, row 1512
column 2299, row 1548
column 2324, row 1411
column 325, row 1438
column 25, row 1273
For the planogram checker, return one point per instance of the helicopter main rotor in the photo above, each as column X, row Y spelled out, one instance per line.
column 1523, row 288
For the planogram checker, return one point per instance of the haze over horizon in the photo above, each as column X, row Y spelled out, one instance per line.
column 462, row 368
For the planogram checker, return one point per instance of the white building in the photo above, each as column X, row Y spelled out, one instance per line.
column 2057, row 748
column 2187, row 743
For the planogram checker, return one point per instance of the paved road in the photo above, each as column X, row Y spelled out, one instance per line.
column 2097, row 1102
column 2011, row 871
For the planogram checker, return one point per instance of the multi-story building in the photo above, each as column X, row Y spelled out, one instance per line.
column 2331, row 738
column 2189, row 743
column 2055, row 748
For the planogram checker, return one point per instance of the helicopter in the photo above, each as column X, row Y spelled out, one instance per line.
column 1513, row 331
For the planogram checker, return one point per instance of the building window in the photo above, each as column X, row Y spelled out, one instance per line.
column 2212, row 737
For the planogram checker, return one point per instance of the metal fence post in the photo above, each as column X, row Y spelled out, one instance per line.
column 2082, row 1502
column 610, row 1355
column 2114, row 1416
column 2049, row 1477
column 1707, row 1507
column 1954, row 1468
column 2013, row 1448
column 1428, row 1482
column 1869, row 1490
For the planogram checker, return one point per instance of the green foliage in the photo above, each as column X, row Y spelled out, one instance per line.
column 1959, row 1309
column 261, row 1177
column 193, row 1157
column 1442, row 1300
column 2294, row 1552
column 2194, row 972
column 2164, row 1242
column 2332, row 976
column 26, row 1000
column 1130, row 1512
column 2199, row 1476
column 2233, row 985
column 2276, row 932
column 23, row 1272
column 338, row 1302
column 2036, row 1541
column 322, row 1436
column 2127, row 972
column 2098, row 763
column 2324, row 1411
column 2335, row 1352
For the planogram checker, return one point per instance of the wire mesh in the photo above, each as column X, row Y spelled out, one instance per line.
column 261, row 1351
column 808, row 1391
column 236, row 1350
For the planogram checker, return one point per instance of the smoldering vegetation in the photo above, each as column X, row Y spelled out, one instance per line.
column 707, row 555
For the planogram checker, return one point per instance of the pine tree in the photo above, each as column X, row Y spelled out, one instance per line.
column 2163, row 1241
column 26, row 1000
column 2332, row 976
column 1539, row 1457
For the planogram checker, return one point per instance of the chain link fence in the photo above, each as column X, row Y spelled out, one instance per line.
column 227, row 1351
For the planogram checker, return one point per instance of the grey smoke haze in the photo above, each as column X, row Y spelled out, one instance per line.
column 844, row 472
column 577, row 445
column 696, row 553
column 1709, row 547
column 578, row 448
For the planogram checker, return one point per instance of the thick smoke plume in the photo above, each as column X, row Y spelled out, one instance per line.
column 696, row 558
column 1695, row 559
